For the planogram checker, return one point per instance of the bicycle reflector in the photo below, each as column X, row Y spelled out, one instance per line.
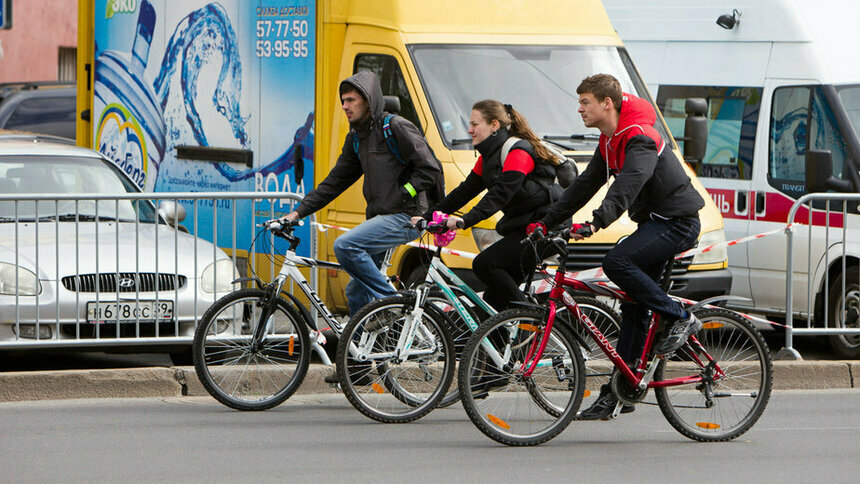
column 708, row 425
column 444, row 238
column 713, row 325
column 496, row 420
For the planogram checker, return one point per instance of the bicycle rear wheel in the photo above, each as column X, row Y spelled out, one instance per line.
column 234, row 370
column 403, row 388
column 507, row 406
column 737, row 399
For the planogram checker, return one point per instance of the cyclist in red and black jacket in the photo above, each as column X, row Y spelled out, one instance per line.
column 650, row 183
column 521, row 186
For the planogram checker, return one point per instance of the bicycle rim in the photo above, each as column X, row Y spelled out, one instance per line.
column 597, row 365
column 232, row 369
column 739, row 398
column 378, row 383
column 506, row 406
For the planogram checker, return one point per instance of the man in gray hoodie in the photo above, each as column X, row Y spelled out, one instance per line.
column 399, row 182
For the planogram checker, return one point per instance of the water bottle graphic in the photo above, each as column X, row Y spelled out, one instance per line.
column 130, row 125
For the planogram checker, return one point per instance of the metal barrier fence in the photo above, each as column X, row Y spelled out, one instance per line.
column 832, row 283
column 104, row 270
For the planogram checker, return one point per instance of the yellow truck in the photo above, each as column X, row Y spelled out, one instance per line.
column 199, row 96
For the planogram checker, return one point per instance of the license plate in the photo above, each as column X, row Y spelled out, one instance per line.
column 129, row 311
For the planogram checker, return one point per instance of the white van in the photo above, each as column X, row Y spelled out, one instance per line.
column 782, row 85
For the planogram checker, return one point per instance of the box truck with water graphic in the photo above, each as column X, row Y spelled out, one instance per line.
column 783, row 110
column 253, row 87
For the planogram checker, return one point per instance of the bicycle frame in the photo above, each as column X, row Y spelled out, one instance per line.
column 644, row 367
column 290, row 271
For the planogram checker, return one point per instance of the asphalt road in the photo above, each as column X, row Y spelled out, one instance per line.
column 802, row 437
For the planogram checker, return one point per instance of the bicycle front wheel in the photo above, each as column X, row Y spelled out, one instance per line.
column 243, row 374
column 390, row 380
column 721, row 407
column 501, row 401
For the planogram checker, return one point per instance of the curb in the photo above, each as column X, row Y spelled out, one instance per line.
column 182, row 381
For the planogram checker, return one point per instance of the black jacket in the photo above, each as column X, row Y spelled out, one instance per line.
column 648, row 177
column 521, row 198
column 384, row 174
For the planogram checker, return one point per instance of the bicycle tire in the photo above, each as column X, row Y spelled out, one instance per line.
column 740, row 397
column 401, row 391
column 500, row 401
column 460, row 332
column 236, row 373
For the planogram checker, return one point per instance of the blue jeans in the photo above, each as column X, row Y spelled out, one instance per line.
column 360, row 252
column 635, row 265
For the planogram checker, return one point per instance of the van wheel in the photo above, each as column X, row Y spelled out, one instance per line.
column 416, row 276
column 844, row 308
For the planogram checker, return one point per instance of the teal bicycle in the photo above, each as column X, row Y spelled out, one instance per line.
column 446, row 299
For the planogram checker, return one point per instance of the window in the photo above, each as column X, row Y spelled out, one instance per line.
column 46, row 115
column 538, row 80
column 732, row 118
column 67, row 63
column 793, row 128
column 391, row 78
column 788, row 126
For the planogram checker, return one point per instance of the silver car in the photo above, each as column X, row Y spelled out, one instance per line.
column 97, row 272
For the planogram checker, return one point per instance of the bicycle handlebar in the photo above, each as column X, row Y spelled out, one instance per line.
column 431, row 227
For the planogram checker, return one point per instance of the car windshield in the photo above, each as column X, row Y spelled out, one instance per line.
column 67, row 175
column 538, row 80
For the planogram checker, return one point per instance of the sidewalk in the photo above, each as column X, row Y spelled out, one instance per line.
column 182, row 381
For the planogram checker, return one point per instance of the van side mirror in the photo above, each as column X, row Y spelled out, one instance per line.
column 819, row 173
column 392, row 104
column 695, row 129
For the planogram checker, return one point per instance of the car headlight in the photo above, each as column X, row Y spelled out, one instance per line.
column 218, row 276
column 485, row 237
column 713, row 256
column 27, row 284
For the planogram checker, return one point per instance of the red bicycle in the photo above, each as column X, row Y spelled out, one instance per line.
column 522, row 375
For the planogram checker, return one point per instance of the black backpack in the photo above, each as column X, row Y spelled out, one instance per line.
column 391, row 141
column 565, row 170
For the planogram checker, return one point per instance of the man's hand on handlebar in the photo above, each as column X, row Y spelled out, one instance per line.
column 536, row 226
column 582, row 231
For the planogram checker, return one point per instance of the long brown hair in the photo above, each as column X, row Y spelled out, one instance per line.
column 516, row 123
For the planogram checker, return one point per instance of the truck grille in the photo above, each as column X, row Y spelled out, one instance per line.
column 588, row 256
column 124, row 282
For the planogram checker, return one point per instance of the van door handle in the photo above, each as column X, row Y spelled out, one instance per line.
column 740, row 201
column 759, row 203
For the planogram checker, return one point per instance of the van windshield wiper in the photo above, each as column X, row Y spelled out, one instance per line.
column 577, row 137
column 557, row 139
column 460, row 141
column 85, row 217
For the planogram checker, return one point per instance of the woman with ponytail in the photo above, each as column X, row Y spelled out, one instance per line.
column 521, row 186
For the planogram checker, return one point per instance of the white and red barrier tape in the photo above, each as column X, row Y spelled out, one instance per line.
column 688, row 253
column 597, row 275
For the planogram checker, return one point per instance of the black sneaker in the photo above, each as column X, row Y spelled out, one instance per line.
column 677, row 334
column 603, row 407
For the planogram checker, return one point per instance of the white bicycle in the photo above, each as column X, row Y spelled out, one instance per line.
column 252, row 348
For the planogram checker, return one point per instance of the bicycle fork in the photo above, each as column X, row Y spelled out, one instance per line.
column 268, row 310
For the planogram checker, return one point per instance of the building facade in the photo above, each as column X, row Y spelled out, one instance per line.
column 41, row 44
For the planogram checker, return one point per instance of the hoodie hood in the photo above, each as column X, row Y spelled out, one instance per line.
column 635, row 110
column 367, row 84
column 637, row 118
